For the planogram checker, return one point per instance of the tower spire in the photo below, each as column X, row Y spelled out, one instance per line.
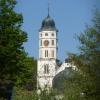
column 48, row 8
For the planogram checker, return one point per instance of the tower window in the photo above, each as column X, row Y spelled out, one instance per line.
column 46, row 34
column 41, row 42
column 52, row 42
column 52, row 53
column 52, row 34
column 46, row 53
column 46, row 69
column 41, row 35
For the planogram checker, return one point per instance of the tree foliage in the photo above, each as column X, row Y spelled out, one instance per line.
column 28, row 79
column 11, row 41
column 15, row 65
column 88, row 60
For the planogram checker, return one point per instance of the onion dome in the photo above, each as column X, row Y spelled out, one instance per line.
column 48, row 24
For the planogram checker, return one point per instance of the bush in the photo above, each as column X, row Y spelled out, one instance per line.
column 22, row 94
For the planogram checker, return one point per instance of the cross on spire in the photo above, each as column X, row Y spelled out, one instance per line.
column 48, row 8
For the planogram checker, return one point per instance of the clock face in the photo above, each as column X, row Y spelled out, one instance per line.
column 46, row 43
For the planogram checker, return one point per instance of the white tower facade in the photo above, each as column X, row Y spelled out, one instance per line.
column 46, row 68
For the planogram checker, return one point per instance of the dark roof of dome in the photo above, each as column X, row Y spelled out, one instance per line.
column 60, row 78
column 48, row 24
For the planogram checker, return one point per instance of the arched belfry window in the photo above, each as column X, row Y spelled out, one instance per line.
column 46, row 69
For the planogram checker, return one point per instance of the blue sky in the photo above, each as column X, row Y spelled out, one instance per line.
column 71, row 17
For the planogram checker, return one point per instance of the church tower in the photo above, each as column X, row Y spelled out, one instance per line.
column 46, row 68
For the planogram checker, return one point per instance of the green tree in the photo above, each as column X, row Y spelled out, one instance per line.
column 11, row 41
column 88, row 60
column 29, row 77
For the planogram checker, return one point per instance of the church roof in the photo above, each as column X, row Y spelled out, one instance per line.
column 48, row 24
column 60, row 79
